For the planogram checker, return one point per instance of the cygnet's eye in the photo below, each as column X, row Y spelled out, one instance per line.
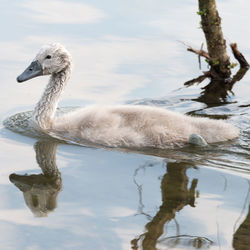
column 48, row 57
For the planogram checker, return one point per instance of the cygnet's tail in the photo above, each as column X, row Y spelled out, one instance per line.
column 216, row 130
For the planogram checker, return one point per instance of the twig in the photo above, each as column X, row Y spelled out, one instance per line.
column 187, row 236
column 200, row 52
column 199, row 57
column 244, row 206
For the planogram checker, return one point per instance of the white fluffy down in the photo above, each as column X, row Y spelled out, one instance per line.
column 119, row 126
column 139, row 126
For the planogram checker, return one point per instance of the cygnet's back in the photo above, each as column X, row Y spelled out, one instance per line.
column 140, row 126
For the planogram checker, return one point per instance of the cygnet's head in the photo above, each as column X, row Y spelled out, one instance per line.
column 52, row 58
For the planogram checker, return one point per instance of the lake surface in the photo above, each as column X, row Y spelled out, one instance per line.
column 99, row 198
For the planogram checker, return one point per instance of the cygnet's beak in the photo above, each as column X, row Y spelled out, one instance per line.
column 35, row 69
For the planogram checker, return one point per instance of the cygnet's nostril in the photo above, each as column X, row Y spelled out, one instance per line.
column 30, row 69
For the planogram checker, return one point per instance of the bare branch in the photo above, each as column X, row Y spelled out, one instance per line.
column 200, row 52
column 238, row 56
column 199, row 57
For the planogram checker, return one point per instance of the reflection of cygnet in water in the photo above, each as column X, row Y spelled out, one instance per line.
column 40, row 190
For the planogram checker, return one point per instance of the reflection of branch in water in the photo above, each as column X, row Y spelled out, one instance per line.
column 241, row 238
column 216, row 91
column 139, row 187
column 141, row 205
column 196, row 241
column 218, row 231
column 175, row 196
column 244, row 206
column 176, row 238
column 40, row 190
column 225, row 182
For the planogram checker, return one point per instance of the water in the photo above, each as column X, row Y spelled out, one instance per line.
column 99, row 198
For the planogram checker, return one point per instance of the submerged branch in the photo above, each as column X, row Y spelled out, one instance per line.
column 238, row 76
column 198, row 79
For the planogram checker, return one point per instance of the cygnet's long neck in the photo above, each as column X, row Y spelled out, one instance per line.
column 45, row 109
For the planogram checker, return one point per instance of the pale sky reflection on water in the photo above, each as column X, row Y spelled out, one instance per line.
column 110, row 67
column 100, row 60
column 122, row 50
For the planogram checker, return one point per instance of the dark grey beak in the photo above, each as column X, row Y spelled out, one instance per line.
column 35, row 69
